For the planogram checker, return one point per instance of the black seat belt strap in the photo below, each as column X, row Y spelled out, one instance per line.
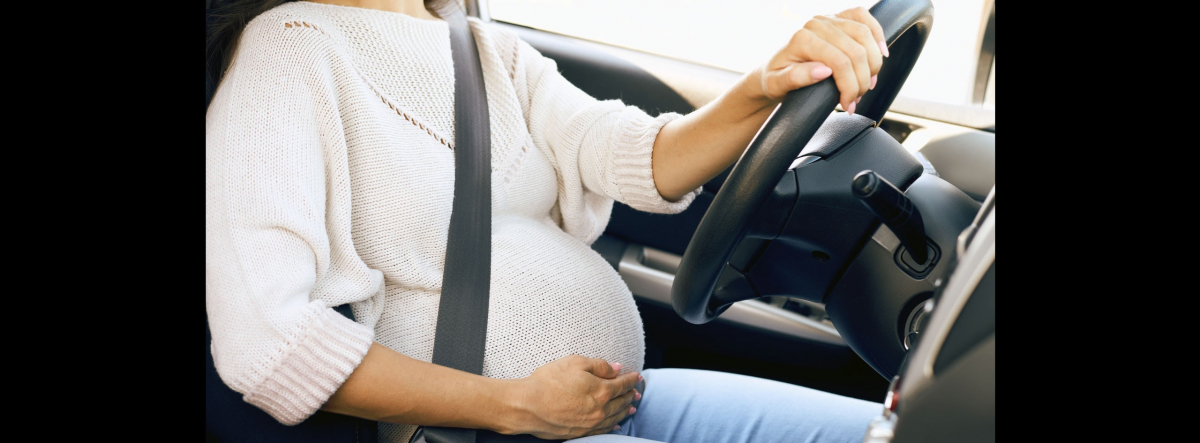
column 466, row 278
column 463, row 311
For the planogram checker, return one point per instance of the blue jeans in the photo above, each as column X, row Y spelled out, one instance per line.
column 688, row 405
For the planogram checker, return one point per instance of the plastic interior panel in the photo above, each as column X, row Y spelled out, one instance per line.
column 976, row 321
column 870, row 302
column 960, row 406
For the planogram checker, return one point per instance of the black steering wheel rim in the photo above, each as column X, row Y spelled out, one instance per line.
column 906, row 25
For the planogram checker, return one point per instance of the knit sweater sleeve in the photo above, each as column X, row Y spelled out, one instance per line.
column 600, row 147
column 268, row 129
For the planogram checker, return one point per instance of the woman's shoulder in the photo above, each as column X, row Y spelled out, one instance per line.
column 513, row 52
column 283, row 42
column 498, row 34
column 285, row 30
column 294, row 13
column 283, row 55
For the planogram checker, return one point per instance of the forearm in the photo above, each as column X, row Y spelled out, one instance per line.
column 693, row 149
column 391, row 387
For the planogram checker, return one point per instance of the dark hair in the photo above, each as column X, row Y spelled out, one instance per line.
column 224, row 24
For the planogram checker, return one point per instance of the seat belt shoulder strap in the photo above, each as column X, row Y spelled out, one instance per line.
column 462, row 313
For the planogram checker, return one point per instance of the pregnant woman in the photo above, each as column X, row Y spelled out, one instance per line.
column 329, row 177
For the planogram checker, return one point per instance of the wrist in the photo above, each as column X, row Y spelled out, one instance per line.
column 510, row 407
column 746, row 103
column 752, row 90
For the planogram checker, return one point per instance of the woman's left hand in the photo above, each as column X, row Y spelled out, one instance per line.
column 850, row 42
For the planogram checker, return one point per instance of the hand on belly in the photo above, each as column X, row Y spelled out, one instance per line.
column 572, row 397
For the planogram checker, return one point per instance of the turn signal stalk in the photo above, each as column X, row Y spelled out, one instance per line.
column 894, row 209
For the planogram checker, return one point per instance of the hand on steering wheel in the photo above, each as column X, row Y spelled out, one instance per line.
column 851, row 43
column 705, row 283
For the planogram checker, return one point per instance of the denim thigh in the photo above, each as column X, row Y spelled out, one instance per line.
column 689, row 405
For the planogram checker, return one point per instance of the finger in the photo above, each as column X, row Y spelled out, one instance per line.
column 810, row 46
column 618, row 403
column 628, row 381
column 794, row 77
column 622, row 384
column 861, row 34
column 862, row 15
column 827, row 29
column 610, row 424
column 601, row 368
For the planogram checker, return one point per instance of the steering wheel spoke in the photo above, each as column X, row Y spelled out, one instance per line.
column 732, row 286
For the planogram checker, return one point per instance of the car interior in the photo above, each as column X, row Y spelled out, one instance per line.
column 853, row 254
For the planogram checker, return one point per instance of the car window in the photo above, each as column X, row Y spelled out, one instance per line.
column 741, row 35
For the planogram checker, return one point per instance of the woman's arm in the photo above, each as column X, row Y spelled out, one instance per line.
column 274, row 338
column 567, row 398
column 695, row 148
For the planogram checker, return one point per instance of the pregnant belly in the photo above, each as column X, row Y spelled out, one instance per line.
column 551, row 296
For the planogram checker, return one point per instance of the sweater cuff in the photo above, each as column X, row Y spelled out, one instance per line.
column 631, row 157
column 315, row 364
column 631, row 163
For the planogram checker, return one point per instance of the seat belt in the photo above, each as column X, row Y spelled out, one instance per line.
column 462, row 314
column 461, row 332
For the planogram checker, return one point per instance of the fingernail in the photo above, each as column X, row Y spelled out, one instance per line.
column 883, row 48
column 850, row 109
column 632, row 410
column 857, row 100
column 637, row 395
column 615, row 366
column 820, row 72
column 617, row 428
column 640, row 378
column 874, row 79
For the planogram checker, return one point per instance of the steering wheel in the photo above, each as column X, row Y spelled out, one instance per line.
column 704, row 267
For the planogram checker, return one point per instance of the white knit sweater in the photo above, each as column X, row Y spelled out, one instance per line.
column 329, row 180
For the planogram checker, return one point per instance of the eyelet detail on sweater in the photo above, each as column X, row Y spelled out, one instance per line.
column 516, row 53
column 296, row 24
column 518, row 163
column 405, row 115
column 414, row 121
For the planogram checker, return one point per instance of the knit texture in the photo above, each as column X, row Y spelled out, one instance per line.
column 329, row 179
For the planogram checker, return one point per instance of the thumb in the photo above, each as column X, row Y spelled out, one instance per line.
column 799, row 75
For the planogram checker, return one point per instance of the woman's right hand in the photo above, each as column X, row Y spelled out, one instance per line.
column 573, row 397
